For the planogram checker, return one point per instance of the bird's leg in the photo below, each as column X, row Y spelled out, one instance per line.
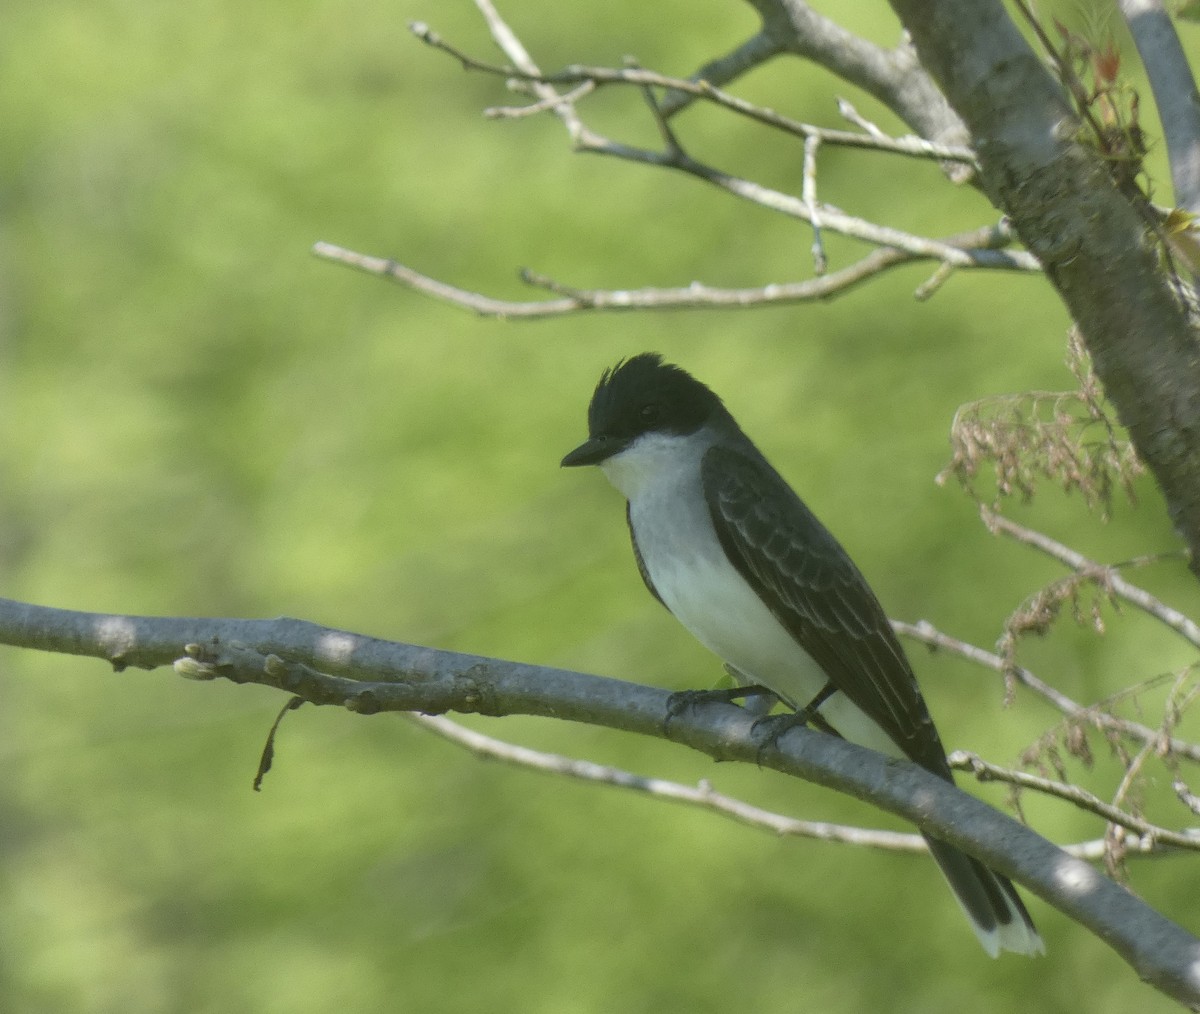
column 810, row 714
column 775, row 726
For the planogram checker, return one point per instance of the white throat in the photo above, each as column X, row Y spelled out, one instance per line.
column 656, row 461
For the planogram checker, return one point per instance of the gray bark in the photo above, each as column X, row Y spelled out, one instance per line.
column 1096, row 247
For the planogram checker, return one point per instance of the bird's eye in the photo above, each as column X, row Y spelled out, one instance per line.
column 650, row 414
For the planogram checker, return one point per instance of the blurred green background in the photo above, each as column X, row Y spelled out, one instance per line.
column 199, row 418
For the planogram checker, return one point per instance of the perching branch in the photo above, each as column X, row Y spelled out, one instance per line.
column 367, row 675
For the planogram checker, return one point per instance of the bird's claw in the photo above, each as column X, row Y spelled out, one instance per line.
column 773, row 727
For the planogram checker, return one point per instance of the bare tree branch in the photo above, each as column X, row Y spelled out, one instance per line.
column 752, row 53
column 894, row 77
column 981, row 249
column 367, row 675
column 1175, row 94
column 639, row 77
column 695, row 295
column 511, row 46
column 674, row 156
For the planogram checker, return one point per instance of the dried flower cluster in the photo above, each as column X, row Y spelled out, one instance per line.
column 1066, row 437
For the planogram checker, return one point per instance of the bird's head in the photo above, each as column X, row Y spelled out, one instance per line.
column 638, row 398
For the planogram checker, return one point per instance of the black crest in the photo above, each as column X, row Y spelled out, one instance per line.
column 644, row 394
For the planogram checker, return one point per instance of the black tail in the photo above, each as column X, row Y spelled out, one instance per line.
column 990, row 901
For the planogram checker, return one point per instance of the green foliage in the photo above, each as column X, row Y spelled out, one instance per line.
column 198, row 418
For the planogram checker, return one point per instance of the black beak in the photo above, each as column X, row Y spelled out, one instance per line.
column 593, row 451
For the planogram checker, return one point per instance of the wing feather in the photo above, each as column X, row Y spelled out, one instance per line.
column 814, row 589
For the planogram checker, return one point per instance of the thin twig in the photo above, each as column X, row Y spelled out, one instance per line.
column 1113, row 581
column 586, row 140
column 579, row 74
column 541, row 105
column 808, row 194
column 706, row 797
column 937, row 640
column 1186, row 796
column 703, row 795
column 754, row 52
column 665, row 130
column 854, row 116
column 961, row 760
column 1115, row 834
column 1066, row 75
column 694, row 295
column 940, row 276
column 511, row 46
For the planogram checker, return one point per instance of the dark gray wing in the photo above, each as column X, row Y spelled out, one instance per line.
column 814, row 589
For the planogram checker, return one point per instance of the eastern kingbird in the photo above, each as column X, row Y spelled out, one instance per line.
column 724, row 543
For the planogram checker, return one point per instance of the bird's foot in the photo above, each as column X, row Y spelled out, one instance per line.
column 772, row 727
column 686, row 700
